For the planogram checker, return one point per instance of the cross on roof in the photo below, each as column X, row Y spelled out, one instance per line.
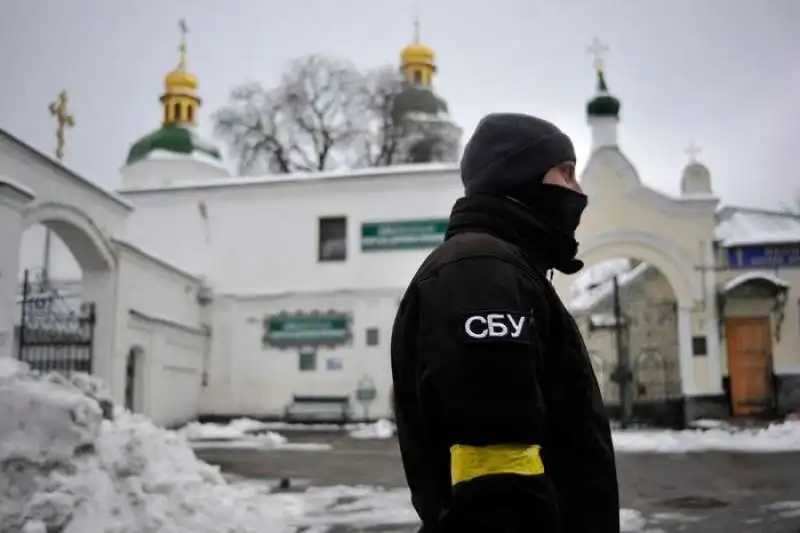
column 693, row 151
column 597, row 49
column 64, row 119
column 184, row 30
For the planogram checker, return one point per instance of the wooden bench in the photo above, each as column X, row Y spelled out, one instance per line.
column 318, row 408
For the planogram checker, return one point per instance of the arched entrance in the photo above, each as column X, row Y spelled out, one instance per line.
column 68, row 328
column 659, row 304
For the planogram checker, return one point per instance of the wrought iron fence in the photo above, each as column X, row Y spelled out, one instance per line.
column 51, row 335
column 656, row 387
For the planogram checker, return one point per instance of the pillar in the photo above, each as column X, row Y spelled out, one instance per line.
column 99, row 287
column 13, row 200
column 604, row 132
column 712, row 322
column 685, row 349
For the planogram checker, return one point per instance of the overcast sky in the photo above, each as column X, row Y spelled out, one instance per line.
column 722, row 73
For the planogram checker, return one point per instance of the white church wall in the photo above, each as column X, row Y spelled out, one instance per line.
column 168, row 386
column 164, row 169
column 254, row 236
column 158, row 312
column 52, row 182
column 154, row 287
column 250, row 376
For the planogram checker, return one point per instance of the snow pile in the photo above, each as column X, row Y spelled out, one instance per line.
column 382, row 429
column 64, row 468
column 242, row 433
column 779, row 437
column 631, row 520
column 235, row 429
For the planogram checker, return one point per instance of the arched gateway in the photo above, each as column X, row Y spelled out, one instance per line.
column 54, row 334
column 627, row 219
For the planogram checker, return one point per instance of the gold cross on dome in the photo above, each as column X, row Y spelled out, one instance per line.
column 184, row 31
column 64, row 120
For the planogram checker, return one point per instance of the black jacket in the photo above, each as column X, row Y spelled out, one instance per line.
column 501, row 424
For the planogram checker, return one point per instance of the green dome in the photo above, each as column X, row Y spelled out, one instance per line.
column 417, row 100
column 173, row 138
column 603, row 105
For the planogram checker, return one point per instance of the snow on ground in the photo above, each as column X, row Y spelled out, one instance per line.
column 235, row 429
column 247, row 433
column 710, row 435
column 63, row 467
column 778, row 437
column 241, row 433
column 382, row 429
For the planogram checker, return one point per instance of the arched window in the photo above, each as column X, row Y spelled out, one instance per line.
column 176, row 111
column 189, row 113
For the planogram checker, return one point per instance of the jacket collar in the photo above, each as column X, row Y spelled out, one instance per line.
column 512, row 222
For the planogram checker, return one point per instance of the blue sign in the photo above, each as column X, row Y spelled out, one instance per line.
column 764, row 256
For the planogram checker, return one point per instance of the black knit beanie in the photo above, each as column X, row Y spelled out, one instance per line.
column 509, row 152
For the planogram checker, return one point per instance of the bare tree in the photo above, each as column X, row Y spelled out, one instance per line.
column 401, row 126
column 381, row 143
column 309, row 122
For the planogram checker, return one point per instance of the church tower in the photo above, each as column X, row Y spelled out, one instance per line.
column 603, row 109
column 429, row 133
column 175, row 151
column 180, row 98
column 418, row 62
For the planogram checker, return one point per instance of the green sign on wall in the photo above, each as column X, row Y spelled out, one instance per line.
column 284, row 331
column 402, row 235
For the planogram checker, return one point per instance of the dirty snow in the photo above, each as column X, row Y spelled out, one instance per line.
column 778, row 437
column 241, row 433
column 708, row 435
column 382, row 429
column 64, row 467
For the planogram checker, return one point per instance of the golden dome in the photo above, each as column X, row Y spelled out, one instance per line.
column 178, row 80
column 418, row 54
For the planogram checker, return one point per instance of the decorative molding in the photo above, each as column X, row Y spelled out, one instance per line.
column 688, row 287
column 282, row 344
column 45, row 212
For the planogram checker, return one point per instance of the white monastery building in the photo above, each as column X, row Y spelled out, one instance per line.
column 196, row 293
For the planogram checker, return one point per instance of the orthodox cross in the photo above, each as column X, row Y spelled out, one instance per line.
column 184, row 30
column 597, row 49
column 64, row 119
column 416, row 21
column 693, row 151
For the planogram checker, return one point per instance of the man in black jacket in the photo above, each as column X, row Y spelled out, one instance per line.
column 501, row 424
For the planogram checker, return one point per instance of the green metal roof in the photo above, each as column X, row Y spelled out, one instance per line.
column 172, row 138
column 603, row 105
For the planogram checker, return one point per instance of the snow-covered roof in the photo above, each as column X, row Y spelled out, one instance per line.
column 605, row 320
column 597, row 283
column 741, row 279
column 741, row 227
column 196, row 155
column 411, row 170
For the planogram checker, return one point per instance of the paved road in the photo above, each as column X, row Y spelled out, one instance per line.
column 687, row 493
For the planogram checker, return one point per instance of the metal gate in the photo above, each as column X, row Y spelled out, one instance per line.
column 52, row 336
column 648, row 331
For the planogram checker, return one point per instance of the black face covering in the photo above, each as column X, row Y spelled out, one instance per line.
column 559, row 207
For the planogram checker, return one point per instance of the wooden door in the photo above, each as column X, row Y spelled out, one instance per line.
column 750, row 365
